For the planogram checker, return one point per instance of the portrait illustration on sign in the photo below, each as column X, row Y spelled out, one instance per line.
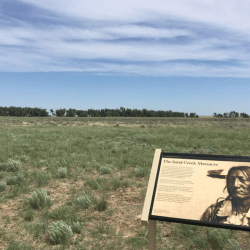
column 235, row 208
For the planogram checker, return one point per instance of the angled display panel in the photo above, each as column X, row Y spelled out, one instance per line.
column 208, row 190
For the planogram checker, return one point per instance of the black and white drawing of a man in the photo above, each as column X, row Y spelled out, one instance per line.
column 235, row 208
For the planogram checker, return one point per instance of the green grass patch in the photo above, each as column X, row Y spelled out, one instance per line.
column 101, row 175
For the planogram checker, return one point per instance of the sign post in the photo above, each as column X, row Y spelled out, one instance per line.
column 190, row 189
column 152, row 235
column 145, row 213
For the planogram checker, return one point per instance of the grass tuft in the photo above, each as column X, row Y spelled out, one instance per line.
column 100, row 204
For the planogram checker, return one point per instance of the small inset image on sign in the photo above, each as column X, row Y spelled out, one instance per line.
column 234, row 209
column 220, row 173
column 214, row 190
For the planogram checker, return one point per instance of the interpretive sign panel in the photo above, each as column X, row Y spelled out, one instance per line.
column 209, row 190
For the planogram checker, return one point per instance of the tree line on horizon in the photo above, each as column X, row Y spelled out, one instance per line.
column 231, row 114
column 122, row 112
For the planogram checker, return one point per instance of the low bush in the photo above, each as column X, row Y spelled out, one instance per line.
column 10, row 166
column 59, row 232
column 39, row 199
column 233, row 244
column 17, row 179
column 2, row 186
column 76, row 226
column 41, row 178
column 218, row 238
column 83, row 201
column 140, row 172
column 62, row 172
column 24, row 158
column 106, row 169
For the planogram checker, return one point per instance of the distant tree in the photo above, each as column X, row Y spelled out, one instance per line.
column 135, row 113
column 43, row 112
column 225, row 114
column 81, row 113
column 60, row 112
column 244, row 115
column 233, row 114
column 34, row 112
column 128, row 112
column 151, row 113
column 215, row 114
column 71, row 113
column 122, row 111
column 94, row 113
column 160, row 113
column 3, row 111
column 170, row 113
column 52, row 112
column 144, row 113
column 192, row 115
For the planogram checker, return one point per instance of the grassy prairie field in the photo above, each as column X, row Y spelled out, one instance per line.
column 80, row 183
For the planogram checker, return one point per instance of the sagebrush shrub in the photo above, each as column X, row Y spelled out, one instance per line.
column 59, row 232
column 2, row 186
column 83, row 201
column 118, row 183
column 233, row 244
column 76, row 226
column 1, row 175
column 187, row 230
column 201, row 242
column 125, row 150
column 62, row 172
column 42, row 163
column 17, row 179
column 24, row 158
column 106, row 169
column 140, row 172
column 115, row 149
column 10, row 166
column 42, row 178
column 218, row 237
column 39, row 199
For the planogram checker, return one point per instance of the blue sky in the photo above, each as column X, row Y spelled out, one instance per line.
column 190, row 56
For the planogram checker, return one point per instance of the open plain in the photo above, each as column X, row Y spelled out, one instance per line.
column 80, row 183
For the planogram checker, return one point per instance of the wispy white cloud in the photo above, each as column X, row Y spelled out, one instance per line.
column 136, row 31
column 139, row 37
